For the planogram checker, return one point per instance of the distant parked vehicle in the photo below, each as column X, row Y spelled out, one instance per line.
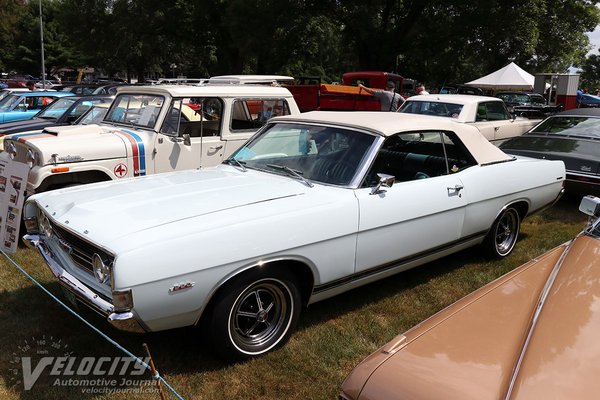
column 461, row 89
column 589, row 101
column 24, row 105
column 525, row 104
column 572, row 136
column 63, row 111
column 488, row 114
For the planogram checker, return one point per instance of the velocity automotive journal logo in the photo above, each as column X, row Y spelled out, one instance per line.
column 48, row 362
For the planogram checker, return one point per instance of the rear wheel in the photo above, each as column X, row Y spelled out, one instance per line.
column 503, row 235
column 255, row 314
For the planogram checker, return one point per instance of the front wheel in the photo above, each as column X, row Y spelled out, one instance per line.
column 255, row 314
column 503, row 235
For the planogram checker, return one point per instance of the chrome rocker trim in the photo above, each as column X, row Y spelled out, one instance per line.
column 124, row 321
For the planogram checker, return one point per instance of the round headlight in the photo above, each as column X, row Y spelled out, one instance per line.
column 12, row 150
column 30, row 159
column 101, row 270
column 44, row 224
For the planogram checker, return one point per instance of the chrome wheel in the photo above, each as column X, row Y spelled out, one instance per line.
column 260, row 315
column 504, row 233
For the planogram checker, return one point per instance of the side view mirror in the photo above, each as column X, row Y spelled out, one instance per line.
column 590, row 205
column 187, row 141
column 385, row 181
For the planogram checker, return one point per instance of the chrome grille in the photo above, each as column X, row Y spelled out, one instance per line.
column 80, row 250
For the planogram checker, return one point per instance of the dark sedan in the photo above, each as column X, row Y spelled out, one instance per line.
column 525, row 104
column 572, row 136
column 63, row 111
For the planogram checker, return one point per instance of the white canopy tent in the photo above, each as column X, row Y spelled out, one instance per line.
column 510, row 77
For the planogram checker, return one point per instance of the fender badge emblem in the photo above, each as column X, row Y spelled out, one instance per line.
column 181, row 286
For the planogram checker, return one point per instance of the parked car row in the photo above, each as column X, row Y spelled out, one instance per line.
column 359, row 196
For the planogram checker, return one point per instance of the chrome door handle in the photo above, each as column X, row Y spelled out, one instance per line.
column 215, row 148
column 455, row 189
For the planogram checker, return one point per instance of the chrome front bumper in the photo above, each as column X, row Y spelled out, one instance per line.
column 125, row 321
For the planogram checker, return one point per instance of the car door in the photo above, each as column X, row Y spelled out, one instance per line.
column 190, row 136
column 501, row 121
column 422, row 212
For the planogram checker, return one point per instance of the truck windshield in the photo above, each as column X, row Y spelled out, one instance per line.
column 138, row 110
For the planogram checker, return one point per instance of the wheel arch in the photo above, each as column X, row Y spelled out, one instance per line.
column 302, row 270
column 522, row 207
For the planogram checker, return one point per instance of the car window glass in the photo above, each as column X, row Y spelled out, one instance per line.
column 57, row 108
column 419, row 155
column 93, row 116
column 195, row 116
column 435, row 108
column 570, row 126
column 319, row 153
column 496, row 111
column 251, row 114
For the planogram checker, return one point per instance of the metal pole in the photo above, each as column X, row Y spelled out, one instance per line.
column 42, row 45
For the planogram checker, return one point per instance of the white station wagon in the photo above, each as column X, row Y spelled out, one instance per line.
column 311, row 206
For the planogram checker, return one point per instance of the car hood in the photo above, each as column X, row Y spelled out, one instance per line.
column 76, row 143
column 471, row 349
column 9, row 128
column 109, row 212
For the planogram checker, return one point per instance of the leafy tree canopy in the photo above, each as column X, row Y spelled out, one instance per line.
column 434, row 41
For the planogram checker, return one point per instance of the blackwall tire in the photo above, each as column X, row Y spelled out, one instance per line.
column 503, row 235
column 255, row 314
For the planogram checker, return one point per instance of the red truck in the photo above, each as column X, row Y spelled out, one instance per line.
column 348, row 96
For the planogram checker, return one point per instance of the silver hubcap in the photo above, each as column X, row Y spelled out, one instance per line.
column 260, row 316
column 506, row 232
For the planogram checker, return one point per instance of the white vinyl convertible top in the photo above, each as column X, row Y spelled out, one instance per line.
column 389, row 123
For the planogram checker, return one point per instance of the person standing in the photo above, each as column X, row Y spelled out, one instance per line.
column 389, row 99
column 421, row 89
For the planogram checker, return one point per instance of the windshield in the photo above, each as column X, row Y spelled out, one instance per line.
column 139, row 110
column 570, row 126
column 8, row 102
column 435, row 108
column 323, row 154
column 56, row 108
column 94, row 115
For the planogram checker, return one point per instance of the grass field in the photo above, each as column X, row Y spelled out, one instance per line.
column 332, row 336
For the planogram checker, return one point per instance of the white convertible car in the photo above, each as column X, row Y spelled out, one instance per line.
column 313, row 205
column 488, row 114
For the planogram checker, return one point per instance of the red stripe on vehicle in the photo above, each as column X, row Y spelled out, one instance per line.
column 135, row 152
column 41, row 135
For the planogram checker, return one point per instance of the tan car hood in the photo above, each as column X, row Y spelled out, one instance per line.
column 470, row 350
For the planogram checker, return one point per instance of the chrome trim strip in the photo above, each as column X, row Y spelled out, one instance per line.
column 394, row 264
column 123, row 321
column 536, row 315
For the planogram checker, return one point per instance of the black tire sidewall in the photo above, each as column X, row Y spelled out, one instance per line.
column 489, row 243
column 224, row 345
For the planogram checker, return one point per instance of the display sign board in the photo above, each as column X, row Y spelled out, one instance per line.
column 13, row 179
